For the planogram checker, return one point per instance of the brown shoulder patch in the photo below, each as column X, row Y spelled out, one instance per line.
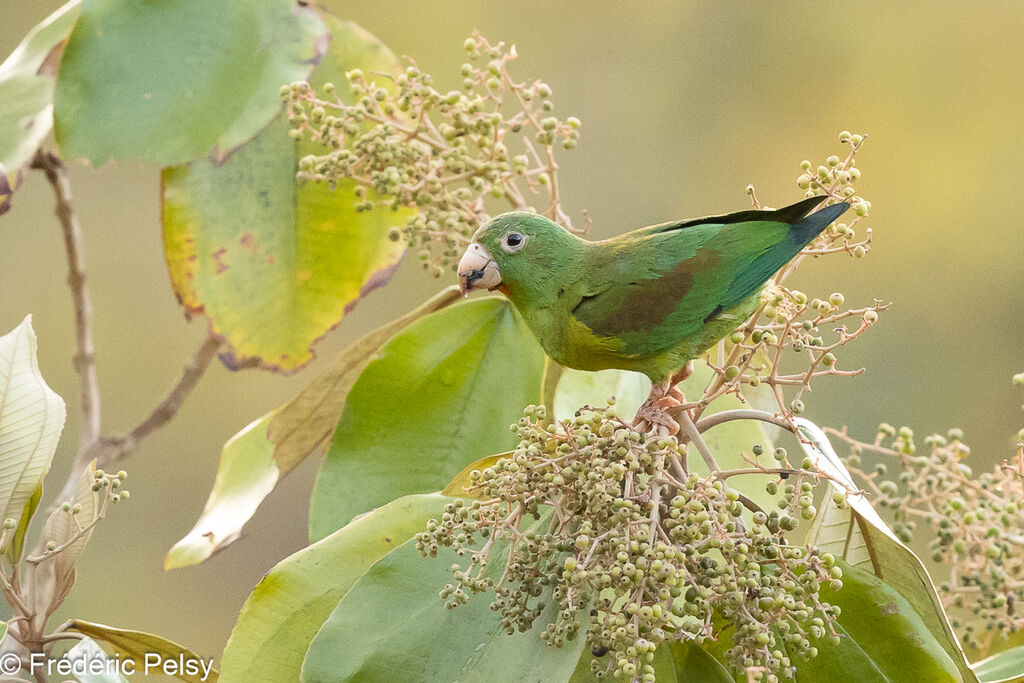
column 636, row 306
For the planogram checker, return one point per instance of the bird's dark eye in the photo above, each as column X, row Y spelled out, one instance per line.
column 513, row 241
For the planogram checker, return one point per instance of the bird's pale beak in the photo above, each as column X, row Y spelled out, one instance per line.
column 477, row 270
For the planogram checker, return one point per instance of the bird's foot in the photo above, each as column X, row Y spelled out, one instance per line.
column 676, row 395
column 652, row 414
column 673, row 399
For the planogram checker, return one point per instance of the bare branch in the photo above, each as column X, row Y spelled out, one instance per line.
column 707, row 423
column 116, row 448
column 694, row 435
column 85, row 357
column 112, row 449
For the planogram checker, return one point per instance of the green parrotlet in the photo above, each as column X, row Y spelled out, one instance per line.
column 650, row 300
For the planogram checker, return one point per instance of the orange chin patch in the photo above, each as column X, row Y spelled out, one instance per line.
column 500, row 287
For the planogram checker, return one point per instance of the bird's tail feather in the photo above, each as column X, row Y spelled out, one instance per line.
column 752, row 278
column 806, row 229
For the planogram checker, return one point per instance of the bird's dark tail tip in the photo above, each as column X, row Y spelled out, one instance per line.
column 806, row 229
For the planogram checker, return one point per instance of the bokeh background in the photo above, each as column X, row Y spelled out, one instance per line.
column 683, row 104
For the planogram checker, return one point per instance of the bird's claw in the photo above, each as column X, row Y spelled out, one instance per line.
column 653, row 415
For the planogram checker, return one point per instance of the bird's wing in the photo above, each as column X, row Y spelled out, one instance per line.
column 650, row 289
column 787, row 214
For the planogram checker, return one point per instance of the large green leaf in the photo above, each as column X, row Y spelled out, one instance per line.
column 441, row 394
column 883, row 638
column 392, row 626
column 286, row 609
column 168, row 81
column 26, row 92
column 275, row 265
column 31, row 420
column 1004, row 667
column 308, row 420
column 255, row 459
column 859, row 535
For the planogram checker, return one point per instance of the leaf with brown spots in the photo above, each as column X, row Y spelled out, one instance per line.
column 272, row 264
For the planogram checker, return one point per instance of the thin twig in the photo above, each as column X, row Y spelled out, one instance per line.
column 710, row 421
column 192, row 371
column 112, row 449
column 691, row 432
column 85, row 356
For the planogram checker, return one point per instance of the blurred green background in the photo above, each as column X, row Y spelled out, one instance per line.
column 683, row 104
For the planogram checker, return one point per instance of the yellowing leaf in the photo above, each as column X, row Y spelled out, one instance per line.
column 246, row 475
column 135, row 645
column 457, row 486
column 275, row 265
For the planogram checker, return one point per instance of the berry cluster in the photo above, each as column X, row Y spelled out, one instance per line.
column 976, row 523
column 607, row 524
column 445, row 154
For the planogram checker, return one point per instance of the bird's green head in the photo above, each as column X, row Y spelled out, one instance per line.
column 518, row 253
